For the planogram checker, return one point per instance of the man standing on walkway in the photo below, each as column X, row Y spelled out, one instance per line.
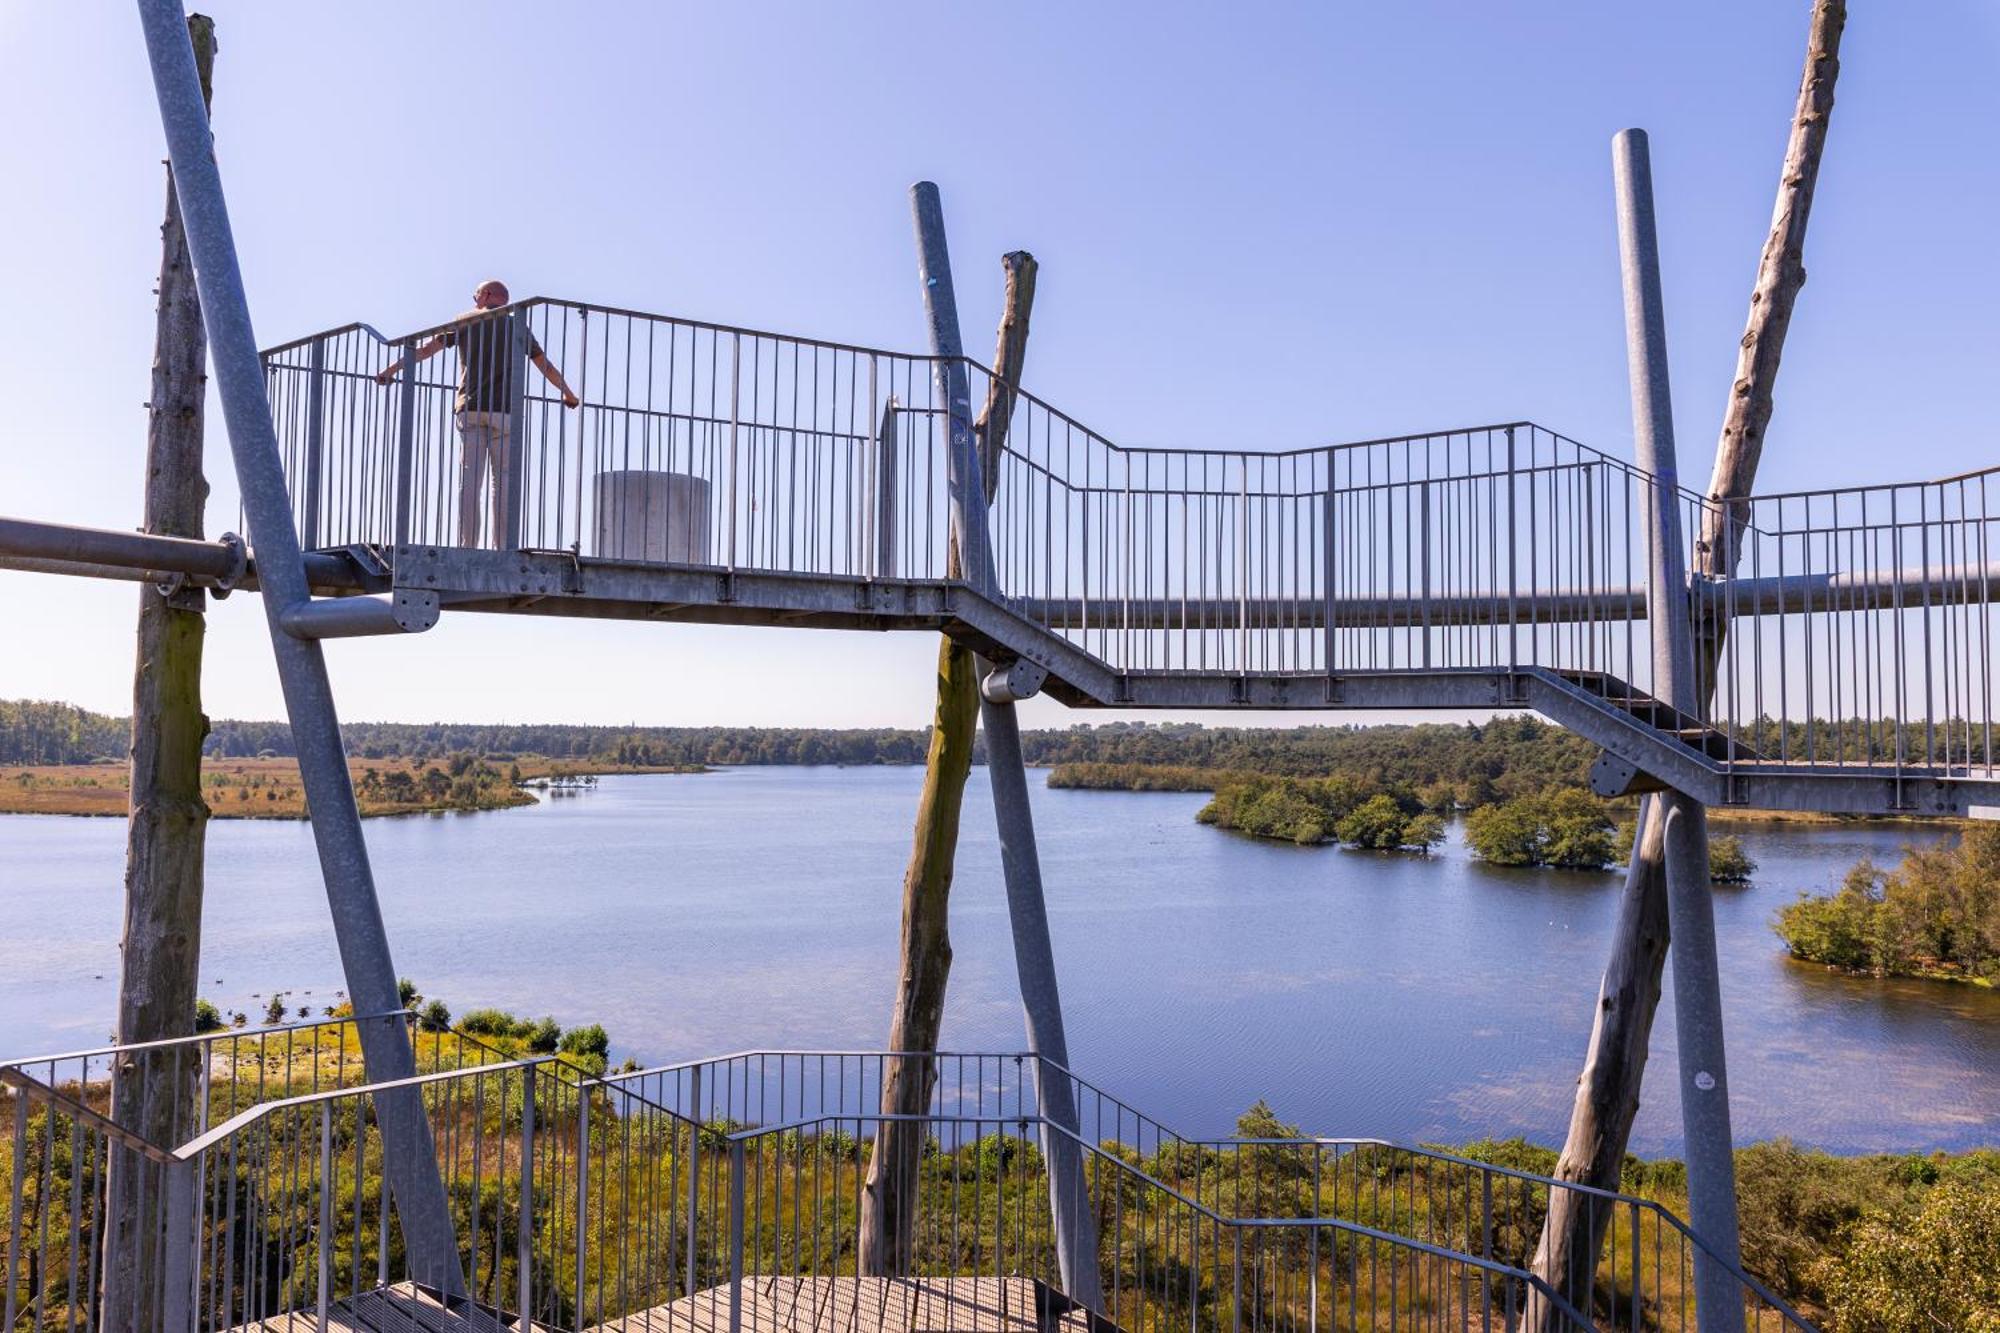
column 484, row 405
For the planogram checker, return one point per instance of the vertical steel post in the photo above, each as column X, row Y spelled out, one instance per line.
column 1691, row 909
column 736, row 1173
column 1424, row 564
column 583, row 1204
column 962, row 470
column 735, row 424
column 1513, row 563
column 410, row 1158
column 694, row 1174
column 514, row 480
column 1328, row 570
column 885, row 491
column 406, row 452
column 524, row 1226
column 309, row 534
column 177, row 1308
column 323, row 1240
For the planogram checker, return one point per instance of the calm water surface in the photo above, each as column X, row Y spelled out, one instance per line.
column 1361, row 994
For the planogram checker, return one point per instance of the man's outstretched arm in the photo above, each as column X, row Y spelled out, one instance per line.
column 554, row 376
column 424, row 353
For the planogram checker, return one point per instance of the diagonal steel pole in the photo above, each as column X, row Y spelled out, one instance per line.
column 1711, row 1159
column 1027, row 909
column 409, row 1154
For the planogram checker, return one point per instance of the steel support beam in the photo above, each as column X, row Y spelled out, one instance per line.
column 409, row 1154
column 962, row 470
column 404, row 611
column 1034, row 955
column 1704, row 1078
column 1041, row 1000
column 108, row 553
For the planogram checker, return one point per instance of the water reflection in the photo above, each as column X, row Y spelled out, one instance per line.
column 1420, row 998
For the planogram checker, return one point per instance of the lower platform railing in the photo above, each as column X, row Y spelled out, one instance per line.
column 737, row 1194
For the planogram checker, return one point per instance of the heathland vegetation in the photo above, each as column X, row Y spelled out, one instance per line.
column 1893, row 1242
column 270, row 788
column 57, row 759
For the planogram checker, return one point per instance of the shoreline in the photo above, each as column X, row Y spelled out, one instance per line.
column 269, row 788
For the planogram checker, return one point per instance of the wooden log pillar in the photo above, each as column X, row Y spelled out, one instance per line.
column 1607, row 1098
column 889, row 1196
column 154, row 1094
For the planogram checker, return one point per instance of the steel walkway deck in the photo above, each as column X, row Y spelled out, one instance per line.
column 730, row 476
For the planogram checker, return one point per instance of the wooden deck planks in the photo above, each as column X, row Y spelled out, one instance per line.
column 770, row 1305
column 859, row 1305
column 402, row 1308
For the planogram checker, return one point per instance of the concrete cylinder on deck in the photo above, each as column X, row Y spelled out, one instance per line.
column 657, row 517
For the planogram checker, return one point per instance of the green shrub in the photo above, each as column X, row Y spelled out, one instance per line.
column 543, row 1037
column 587, row 1046
column 493, row 1023
column 1424, row 832
column 207, row 1018
column 1376, row 823
column 1937, row 913
column 1728, row 863
column 1301, row 810
column 1939, row 1269
column 1563, row 826
column 1507, row 834
column 435, row 1017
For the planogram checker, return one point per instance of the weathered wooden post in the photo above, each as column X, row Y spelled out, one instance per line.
column 153, row 1094
column 1607, row 1097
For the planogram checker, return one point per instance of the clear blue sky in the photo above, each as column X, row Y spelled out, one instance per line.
column 1281, row 224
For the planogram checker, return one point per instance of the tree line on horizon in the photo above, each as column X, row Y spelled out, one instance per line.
column 1505, row 756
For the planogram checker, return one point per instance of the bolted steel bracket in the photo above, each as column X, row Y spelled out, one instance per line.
column 181, row 595
column 239, row 552
column 404, row 611
column 1612, row 776
column 1013, row 682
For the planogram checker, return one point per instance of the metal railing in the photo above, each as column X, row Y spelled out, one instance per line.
column 1642, row 1277
column 90, row 1158
column 1859, row 627
column 695, row 444
column 730, row 1191
column 1860, row 621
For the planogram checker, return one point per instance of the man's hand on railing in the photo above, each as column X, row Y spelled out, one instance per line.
column 423, row 354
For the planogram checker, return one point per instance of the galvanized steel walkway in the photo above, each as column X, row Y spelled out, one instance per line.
column 731, row 476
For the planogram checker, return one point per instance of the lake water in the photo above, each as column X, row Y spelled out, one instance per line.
column 1361, row 994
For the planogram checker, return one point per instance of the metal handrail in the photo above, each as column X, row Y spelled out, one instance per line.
column 163, row 1043
column 103, row 1124
column 1028, row 396
column 1606, row 1196
column 971, row 363
column 1153, row 1182
column 250, row 1115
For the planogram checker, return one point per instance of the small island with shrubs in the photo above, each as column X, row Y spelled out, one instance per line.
column 1936, row 915
column 1309, row 811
